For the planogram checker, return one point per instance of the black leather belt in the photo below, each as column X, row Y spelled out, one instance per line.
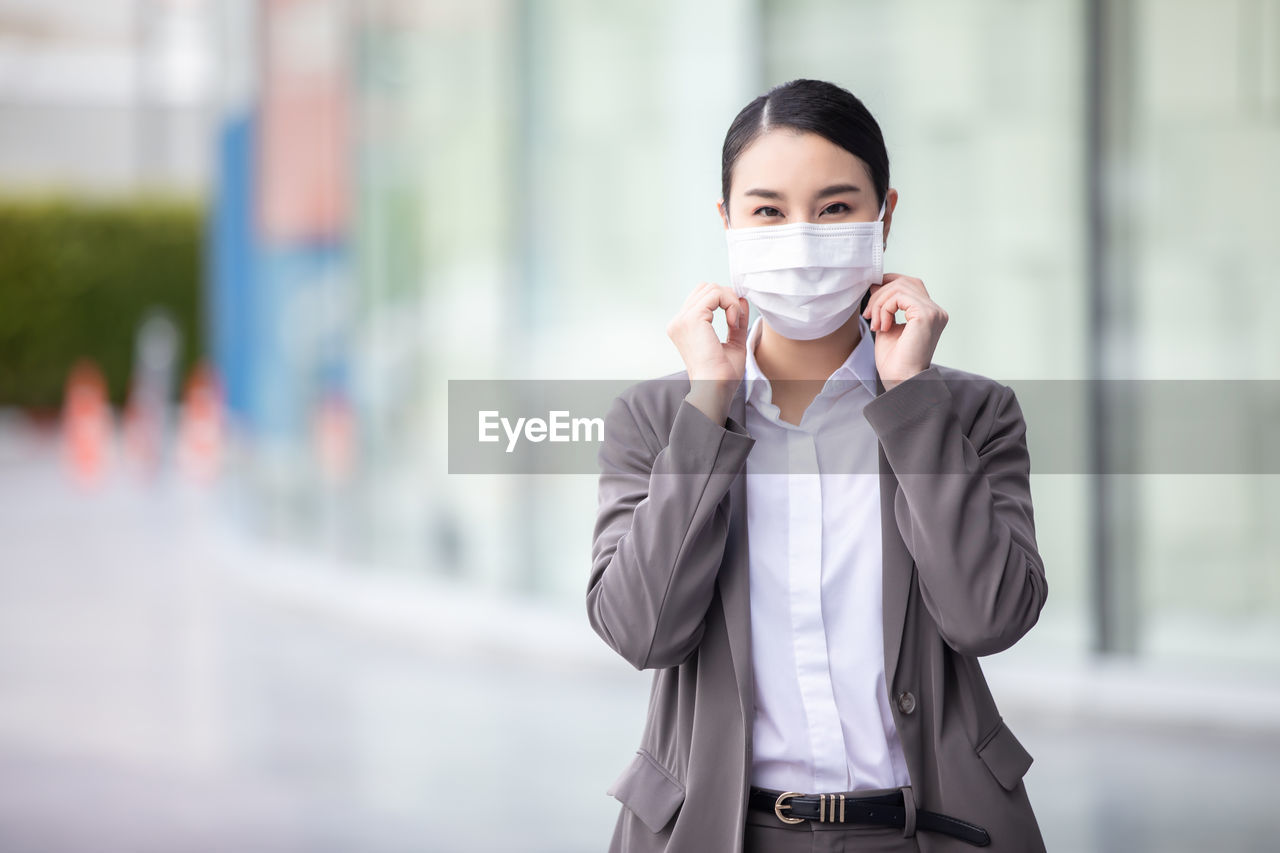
column 882, row 810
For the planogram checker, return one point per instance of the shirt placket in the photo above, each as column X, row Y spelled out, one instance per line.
column 826, row 737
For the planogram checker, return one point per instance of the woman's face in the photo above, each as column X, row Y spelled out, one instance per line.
column 787, row 176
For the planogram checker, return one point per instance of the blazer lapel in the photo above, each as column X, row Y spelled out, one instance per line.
column 734, row 578
column 897, row 563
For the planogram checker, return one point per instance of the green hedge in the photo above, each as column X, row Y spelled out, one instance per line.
column 77, row 276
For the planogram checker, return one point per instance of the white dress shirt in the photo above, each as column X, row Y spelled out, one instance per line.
column 822, row 720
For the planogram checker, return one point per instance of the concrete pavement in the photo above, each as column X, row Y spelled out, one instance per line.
column 166, row 687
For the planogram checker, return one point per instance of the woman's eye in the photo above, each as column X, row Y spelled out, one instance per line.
column 768, row 211
column 838, row 207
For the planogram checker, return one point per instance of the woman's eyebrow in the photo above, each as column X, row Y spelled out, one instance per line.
column 834, row 189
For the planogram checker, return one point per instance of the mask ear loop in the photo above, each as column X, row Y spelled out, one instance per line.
column 866, row 297
column 883, row 206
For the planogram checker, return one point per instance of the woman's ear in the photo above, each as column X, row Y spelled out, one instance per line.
column 724, row 215
column 891, row 201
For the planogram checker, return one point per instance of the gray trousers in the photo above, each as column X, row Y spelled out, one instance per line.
column 766, row 834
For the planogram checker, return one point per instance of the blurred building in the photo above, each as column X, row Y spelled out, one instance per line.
column 105, row 97
column 407, row 192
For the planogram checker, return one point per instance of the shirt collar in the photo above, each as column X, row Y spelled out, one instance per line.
column 860, row 365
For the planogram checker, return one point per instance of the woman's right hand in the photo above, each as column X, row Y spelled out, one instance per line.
column 715, row 367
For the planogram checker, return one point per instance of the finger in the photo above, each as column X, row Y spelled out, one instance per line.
column 692, row 298
column 868, row 311
column 688, row 300
column 738, row 330
column 907, row 282
column 703, row 307
column 737, row 312
column 905, row 289
column 882, row 292
column 732, row 311
column 887, row 306
column 717, row 296
column 733, row 315
column 896, row 299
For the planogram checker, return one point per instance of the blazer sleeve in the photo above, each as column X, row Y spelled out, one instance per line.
column 964, row 510
column 661, row 526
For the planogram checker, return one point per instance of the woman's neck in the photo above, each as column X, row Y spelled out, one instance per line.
column 785, row 359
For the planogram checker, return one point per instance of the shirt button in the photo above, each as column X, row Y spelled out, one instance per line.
column 906, row 703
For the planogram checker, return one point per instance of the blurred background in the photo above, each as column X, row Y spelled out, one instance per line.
column 244, row 246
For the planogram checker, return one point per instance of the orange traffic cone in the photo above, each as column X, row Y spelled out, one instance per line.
column 86, row 424
column 200, row 430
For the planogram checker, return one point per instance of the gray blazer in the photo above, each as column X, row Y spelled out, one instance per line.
column 962, row 578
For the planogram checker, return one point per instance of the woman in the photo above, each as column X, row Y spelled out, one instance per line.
column 815, row 637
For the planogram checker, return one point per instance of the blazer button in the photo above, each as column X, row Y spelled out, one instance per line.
column 906, row 703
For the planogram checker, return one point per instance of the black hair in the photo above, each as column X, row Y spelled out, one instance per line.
column 813, row 105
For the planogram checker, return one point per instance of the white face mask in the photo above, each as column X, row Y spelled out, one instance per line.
column 806, row 279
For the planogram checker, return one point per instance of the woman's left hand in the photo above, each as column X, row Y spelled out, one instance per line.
column 903, row 349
